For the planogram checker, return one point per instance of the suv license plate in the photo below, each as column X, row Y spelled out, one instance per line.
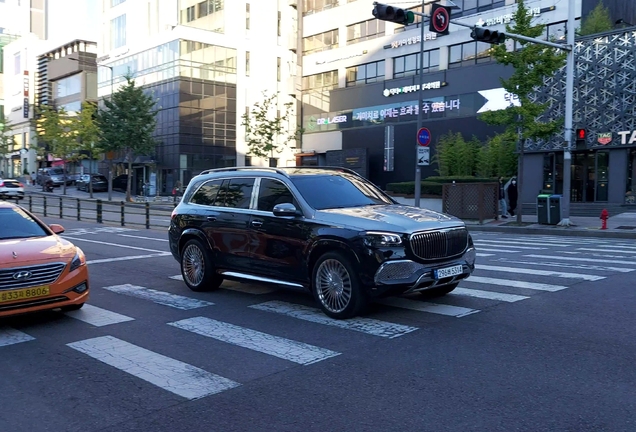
column 448, row 272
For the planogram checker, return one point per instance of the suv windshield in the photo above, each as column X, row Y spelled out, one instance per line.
column 56, row 172
column 338, row 191
column 15, row 223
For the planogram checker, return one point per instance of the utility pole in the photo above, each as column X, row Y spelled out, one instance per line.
column 420, row 117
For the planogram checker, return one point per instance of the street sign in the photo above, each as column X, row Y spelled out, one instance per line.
column 423, row 156
column 423, row 137
column 440, row 19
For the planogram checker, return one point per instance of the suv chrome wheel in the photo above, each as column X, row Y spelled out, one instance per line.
column 197, row 267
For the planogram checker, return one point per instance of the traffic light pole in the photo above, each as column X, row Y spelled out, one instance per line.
column 420, row 117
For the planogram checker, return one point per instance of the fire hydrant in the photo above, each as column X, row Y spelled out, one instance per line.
column 604, row 217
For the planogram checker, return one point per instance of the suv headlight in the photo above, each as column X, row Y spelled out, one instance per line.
column 382, row 239
column 78, row 261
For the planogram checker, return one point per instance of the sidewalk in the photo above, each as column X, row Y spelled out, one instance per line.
column 622, row 226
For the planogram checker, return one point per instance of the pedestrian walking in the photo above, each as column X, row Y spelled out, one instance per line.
column 513, row 195
column 33, row 178
column 503, row 207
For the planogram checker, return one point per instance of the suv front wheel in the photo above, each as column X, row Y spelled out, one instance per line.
column 336, row 286
column 197, row 268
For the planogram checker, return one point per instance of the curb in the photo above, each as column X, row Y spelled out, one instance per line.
column 565, row 232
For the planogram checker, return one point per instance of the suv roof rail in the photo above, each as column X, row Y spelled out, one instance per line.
column 254, row 168
column 335, row 168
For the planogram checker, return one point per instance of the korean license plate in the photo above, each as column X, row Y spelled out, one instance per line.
column 23, row 294
column 448, row 272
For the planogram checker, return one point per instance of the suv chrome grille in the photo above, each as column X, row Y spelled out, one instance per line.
column 40, row 275
column 446, row 243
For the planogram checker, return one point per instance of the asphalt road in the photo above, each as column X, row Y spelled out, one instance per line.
column 540, row 338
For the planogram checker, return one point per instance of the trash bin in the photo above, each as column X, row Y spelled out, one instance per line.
column 554, row 209
column 542, row 209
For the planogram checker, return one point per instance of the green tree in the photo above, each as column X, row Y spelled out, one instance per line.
column 6, row 141
column 455, row 156
column 498, row 158
column 531, row 64
column 88, row 134
column 127, row 125
column 56, row 129
column 598, row 21
column 267, row 130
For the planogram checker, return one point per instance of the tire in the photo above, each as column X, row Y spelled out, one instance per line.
column 336, row 268
column 71, row 308
column 440, row 291
column 197, row 268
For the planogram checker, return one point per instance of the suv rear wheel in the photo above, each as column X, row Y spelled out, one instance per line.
column 336, row 286
column 197, row 268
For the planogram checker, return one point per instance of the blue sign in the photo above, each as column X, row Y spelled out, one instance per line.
column 424, row 137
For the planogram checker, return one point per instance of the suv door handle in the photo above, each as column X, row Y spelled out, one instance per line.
column 257, row 223
column 211, row 218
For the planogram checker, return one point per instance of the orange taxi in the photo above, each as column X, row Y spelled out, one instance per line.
column 39, row 270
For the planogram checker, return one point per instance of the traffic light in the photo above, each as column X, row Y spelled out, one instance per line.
column 481, row 34
column 390, row 13
column 581, row 135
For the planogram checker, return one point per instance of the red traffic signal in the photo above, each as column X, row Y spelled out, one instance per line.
column 440, row 19
column 581, row 134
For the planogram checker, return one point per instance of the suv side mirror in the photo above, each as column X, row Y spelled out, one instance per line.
column 286, row 209
column 57, row 229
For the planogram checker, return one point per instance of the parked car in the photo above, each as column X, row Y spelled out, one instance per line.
column 120, row 183
column 100, row 182
column 55, row 174
column 11, row 188
column 39, row 270
column 325, row 229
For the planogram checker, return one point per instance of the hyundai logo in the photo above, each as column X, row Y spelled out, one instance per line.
column 22, row 275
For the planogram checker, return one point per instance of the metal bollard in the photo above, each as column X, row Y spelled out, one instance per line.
column 78, row 210
column 122, row 213
column 61, row 209
column 30, row 203
column 44, row 205
column 147, row 215
column 99, row 211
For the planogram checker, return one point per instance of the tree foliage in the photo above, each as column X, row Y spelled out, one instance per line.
column 56, row 129
column 88, row 135
column 267, row 131
column 6, row 138
column 455, row 156
column 531, row 63
column 128, row 123
column 598, row 21
column 497, row 158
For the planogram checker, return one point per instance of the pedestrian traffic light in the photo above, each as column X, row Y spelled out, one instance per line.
column 481, row 34
column 390, row 13
column 581, row 135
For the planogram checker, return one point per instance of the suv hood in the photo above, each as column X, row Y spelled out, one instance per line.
column 38, row 250
column 392, row 218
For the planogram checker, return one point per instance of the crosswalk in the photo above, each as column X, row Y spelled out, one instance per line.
column 514, row 270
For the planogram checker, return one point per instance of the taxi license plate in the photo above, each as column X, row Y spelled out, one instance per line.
column 448, row 272
column 24, row 294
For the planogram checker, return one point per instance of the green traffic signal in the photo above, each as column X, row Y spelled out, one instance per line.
column 410, row 17
column 390, row 13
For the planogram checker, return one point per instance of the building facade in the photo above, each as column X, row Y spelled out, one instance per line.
column 360, row 78
column 205, row 69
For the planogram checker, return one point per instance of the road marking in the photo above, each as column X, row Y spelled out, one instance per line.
column 11, row 336
column 95, row 231
column 169, row 374
column 127, row 258
column 504, row 243
column 514, row 283
column 143, row 238
column 490, row 295
column 364, row 325
column 539, row 272
column 496, row 250
column 159, row 297
column 286, row 349
column 607, row 250
column 484, row 255
column 97, row 316
column 570, row 265
column 435, row 308
column 239, row 287
column 114, row 244
column 581, row 259
column 507, row 245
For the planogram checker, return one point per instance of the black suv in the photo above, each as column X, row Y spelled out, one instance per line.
column 326, row 229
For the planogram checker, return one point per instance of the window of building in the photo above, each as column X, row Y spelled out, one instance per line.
column 409, row 65
column 316, row 89
column 206, row 14
column 272, row 193
column 365, row 30
column 630, row 192
column 17, row 64
column 278, row 69
column 72, row 108
column 68, row 86
column 247, row 16
column 314, row 6
column 278, row 24
column 118, row 32
column 247, row 63
column 320, row 42
column 114, row 3
column 365, row 74
column 206, row 195
column 469, row 53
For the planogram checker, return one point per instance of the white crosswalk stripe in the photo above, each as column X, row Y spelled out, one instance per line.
column 513, row 283
column 569, row 265
column 435, row 308
column 490, row 295
column 97, row 316
column 518, row 270
column 169, row 374
column 286, row 349
column 488, row 244
column 497, row 250
column 159, row 297
column 614, row 250
column 239, row 287
column 558, row 257
column 11, row 336
column 364, row 325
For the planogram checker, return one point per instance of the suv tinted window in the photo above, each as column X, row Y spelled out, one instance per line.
column 338, row 191
column 273, row 192
column 206, row 195
column 237, row 193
